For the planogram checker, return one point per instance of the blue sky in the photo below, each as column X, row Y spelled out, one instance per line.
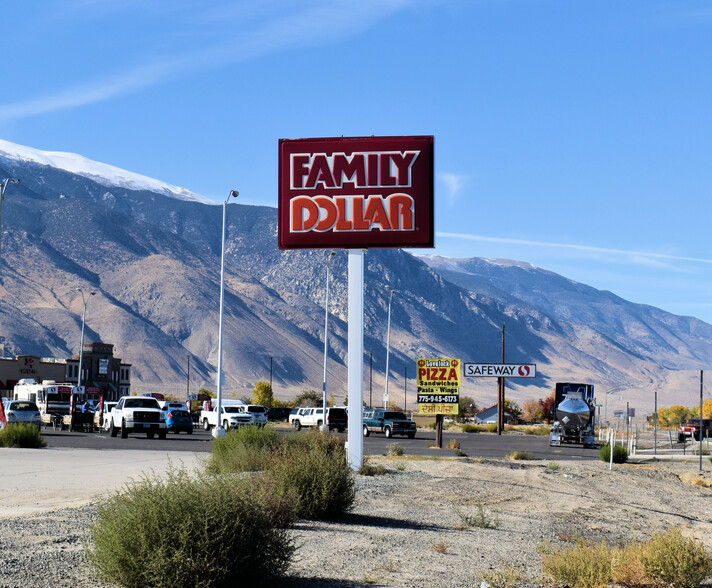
column 572, row 134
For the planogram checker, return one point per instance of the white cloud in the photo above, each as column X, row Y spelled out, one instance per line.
column 453, row 184
column 320, row 23
column 637, row 257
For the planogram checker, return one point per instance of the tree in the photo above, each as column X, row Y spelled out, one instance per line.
column 467, row 407
column 308, row 398
column 207, row 392
column 393, row 406
column 532, row 411
column 512, row 408
column 707, row 409
column 262, row 394
column 547, row 406
column 673, row 416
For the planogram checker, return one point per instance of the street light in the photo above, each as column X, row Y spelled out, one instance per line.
column 329, row 255
column 3, row 187
column 81, row 345
column 219, row 431
column 388, row 344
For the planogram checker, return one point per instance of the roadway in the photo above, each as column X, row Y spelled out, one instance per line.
column 485, row 445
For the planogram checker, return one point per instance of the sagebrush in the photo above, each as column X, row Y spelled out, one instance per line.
column 24, row 435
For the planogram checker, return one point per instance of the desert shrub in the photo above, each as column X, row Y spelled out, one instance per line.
column 395, row 450
column 626, row 566
column 453, row 444
column 672, row 559
column 480, row 519
column 533, row 429
column 244, row 449
column 552, row 466
column 313, row 466
column 470, row 428
column 24, row 435
column 620, row 454
column 182, row 531
column 581, row 565
column 506, row 577
column 517, row 455
column 370, row 469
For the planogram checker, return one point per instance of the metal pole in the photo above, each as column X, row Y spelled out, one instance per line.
column 655, row 425
column 370, row 386
column 187, row 380
column 405, row 388
column 329, row 255
column 270, row 377
column 701, row 421
column 3, row 187
column 219, row 431
column 500, row 390
column 355, row 355
column 81, row 344
column 388, row 344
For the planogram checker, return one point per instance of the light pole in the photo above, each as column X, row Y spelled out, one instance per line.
column 81, row 345
column 187, row 380
column 3, row 187
column 329, row 255
column 219, row 431
column 388, row 344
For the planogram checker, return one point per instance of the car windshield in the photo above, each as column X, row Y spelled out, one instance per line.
column 338, row 413
column 23, row 406
column 141, row 403
column 395, row 416
column 256, row 408
column 232, row 409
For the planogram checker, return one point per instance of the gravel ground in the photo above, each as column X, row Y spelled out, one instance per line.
column 424, row 523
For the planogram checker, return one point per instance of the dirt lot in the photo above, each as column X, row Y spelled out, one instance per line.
column 445, row 522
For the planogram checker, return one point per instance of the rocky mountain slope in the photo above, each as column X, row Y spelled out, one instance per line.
column 152, row 254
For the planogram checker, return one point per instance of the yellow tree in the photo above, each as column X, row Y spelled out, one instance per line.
column 262, row 394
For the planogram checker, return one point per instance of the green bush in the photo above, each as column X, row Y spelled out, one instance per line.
column 244, row 449
column 313, row 466
column 24, row 435
column 470, row 428
column 671, row 559
column 620, row 454
column 520, row 455
column 183, row 531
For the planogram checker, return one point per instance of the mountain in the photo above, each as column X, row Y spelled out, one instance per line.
column 151, row 251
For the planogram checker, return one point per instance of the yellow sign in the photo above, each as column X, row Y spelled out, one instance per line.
column 438, row 386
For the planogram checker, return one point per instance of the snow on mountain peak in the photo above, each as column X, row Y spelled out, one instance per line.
column 102, row 173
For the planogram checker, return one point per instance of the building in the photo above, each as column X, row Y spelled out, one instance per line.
column 489, row 416
column 99, row 366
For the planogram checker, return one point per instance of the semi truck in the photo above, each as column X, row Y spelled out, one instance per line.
column 575, row 413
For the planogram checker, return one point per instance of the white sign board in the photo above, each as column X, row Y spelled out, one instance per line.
column 500, row 370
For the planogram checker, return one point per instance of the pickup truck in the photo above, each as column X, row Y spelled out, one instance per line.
column 137, row 414
column 388, row 422
column 233, row 415
column 692, row 429
column 336, row 418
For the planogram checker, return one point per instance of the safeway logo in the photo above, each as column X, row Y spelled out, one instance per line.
column 500, row 370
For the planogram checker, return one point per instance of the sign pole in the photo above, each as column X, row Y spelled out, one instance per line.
column 500, row 390
column 355, row 358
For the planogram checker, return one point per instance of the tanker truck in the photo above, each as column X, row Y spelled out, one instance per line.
column 575, row 412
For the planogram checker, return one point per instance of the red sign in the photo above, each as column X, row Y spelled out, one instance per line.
column 356, row 192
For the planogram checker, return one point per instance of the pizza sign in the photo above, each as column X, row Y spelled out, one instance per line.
column 438, row 386
column 356, row 192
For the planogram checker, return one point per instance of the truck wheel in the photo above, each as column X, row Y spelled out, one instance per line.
column 297, row 425
column 226, row 425
column 388, row 432
column 366, row 432
column 206, row 425
column 681, row 438
column 411, row 435
column 189, row 431
column 124, row 430
column 150, row 435
column 162, row 434
column 319, row 424
column 112, row 429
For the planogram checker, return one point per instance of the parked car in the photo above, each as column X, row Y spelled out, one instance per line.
column 336, row 418
column 178, row 419
column 692, row 429
column 278, row 414
column 22, row 411
column 388, row 422
column 137, row 414
column 106, row 416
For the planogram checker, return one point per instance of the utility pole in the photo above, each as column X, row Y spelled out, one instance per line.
column 500, row 390
column 370, row 386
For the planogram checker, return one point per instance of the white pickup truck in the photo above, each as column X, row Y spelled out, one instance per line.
column 336, row 418
column 233, row 415
column 137, row 414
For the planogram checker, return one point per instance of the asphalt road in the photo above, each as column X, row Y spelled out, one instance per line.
column 486, row 445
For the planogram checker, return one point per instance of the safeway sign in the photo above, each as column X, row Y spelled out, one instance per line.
column 356, row 192
column 500, row 370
